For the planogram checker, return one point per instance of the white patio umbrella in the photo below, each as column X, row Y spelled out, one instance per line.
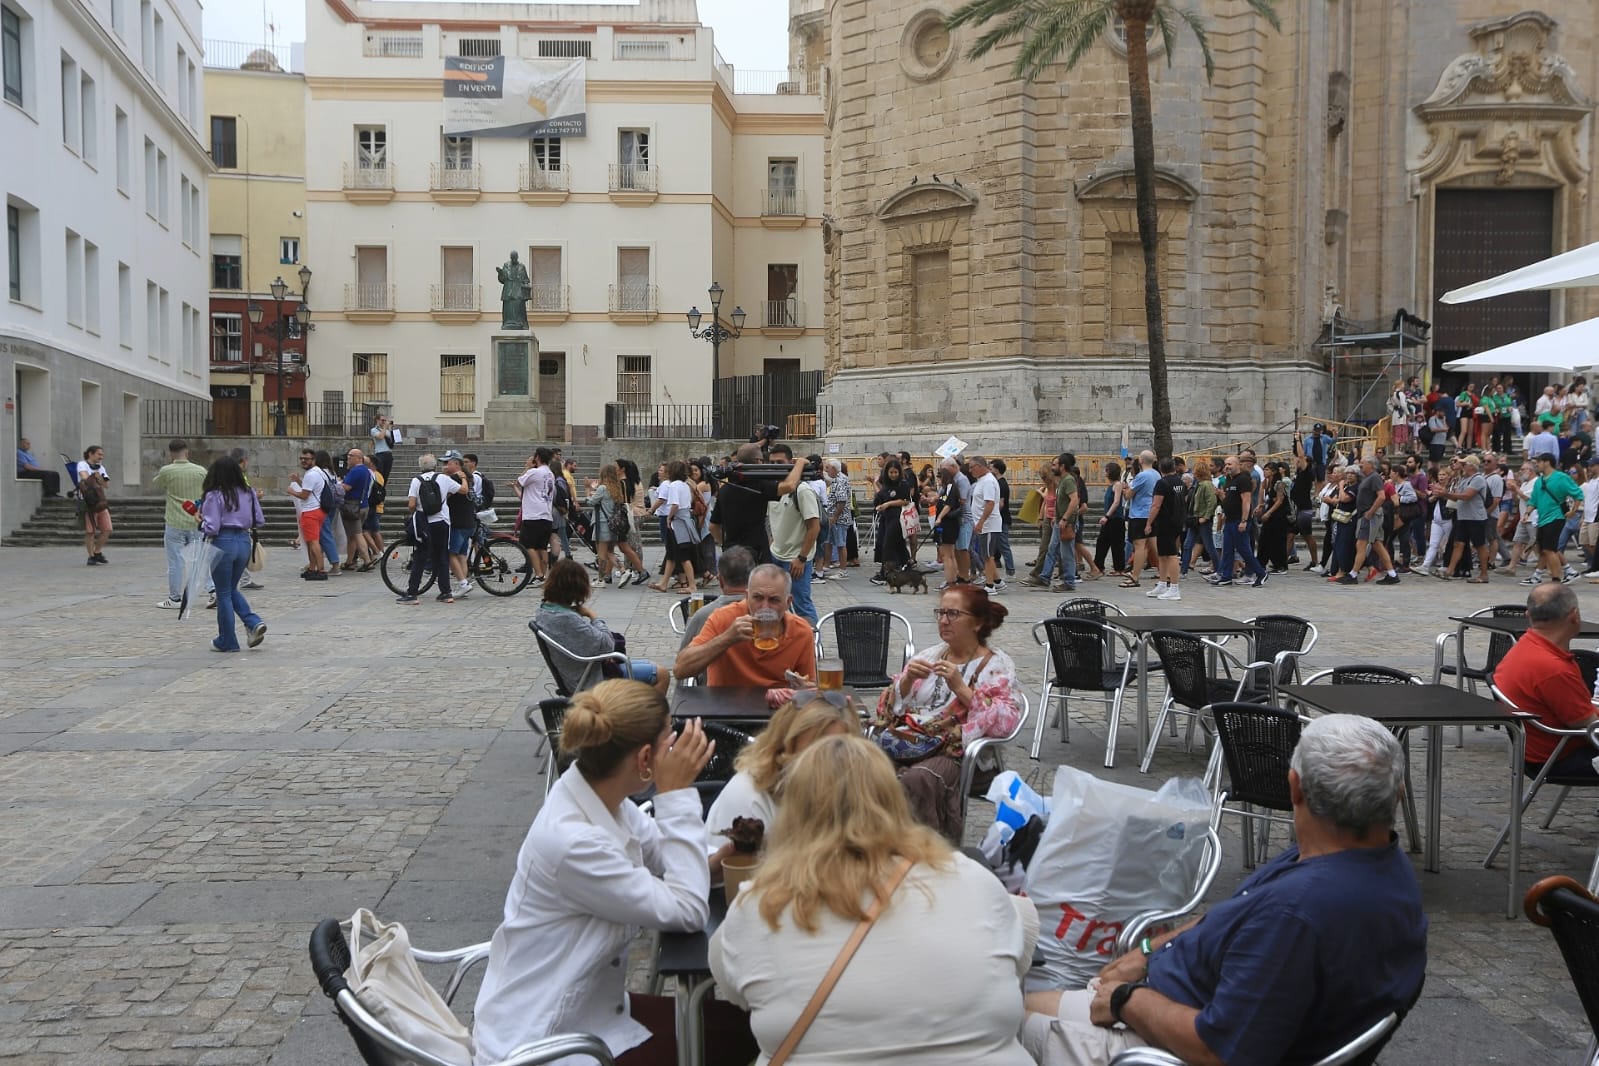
column 1565, row 271
column 1560, row 351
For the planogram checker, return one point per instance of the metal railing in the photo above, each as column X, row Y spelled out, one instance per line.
column 654, row 46
column 454, row 297
column 532, row 178
column 234, row 55
column 783, row 203
column 634, row 298
column 228, row 349
column 723, row 69
column 392, row 46
column 704, row 421
column 633, row 177
column 251, row 418
column 782, row 314
column 777, row 82
column 368, row 297
column 444, row 177
column 549, row 298
column 366, row 176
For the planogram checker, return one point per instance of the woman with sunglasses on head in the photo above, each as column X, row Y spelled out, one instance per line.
column 955, row 692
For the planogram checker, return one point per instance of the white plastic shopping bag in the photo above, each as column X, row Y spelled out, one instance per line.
column 1109, row 852
column 198, row 559
column 1015, row 801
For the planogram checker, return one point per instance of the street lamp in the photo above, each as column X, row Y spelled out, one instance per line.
column 280, row 330
column 716, row 333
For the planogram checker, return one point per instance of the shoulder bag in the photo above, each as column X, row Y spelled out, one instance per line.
column 803, row 1023
column 385, row 977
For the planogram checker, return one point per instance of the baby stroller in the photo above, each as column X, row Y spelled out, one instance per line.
column 72, row 474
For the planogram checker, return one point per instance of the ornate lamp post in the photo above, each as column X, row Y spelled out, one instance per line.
column 716, row 333
column 280, row 330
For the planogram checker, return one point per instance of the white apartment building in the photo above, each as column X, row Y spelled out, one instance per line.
column 104, row 186
column 690, row 173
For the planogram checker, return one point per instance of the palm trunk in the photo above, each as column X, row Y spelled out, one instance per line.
column 1148, row 232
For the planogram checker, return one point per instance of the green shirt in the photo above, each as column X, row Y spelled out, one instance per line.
column 1548, row 492
column 181, row 481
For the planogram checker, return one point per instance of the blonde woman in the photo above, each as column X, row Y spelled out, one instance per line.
column 753, row 791
column 937, row 979
column 609, row 501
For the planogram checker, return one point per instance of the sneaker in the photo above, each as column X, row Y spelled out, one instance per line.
column 1222, row 583
column 1349, row 579
column 100, row 558
column 444, row 597
column 941, row 586
column 535, row 580
column 1293, row 560
column 1390, row 579
column 252, row 585
column 1535, row 579
column 639, row 577
column 91, row 561
column 257, row 634
column 316, row 575
column 1062, row 587
column 334, row 569
column 1567, row 578
column 408, row 600
column 169, row 604
column 1260, row 581
column 1316, row 568
column 931, row 568
column 1591, row 574
column 463, row 588
column 1172, row 593
column 836, row 574
column 878, row 579
column 210, row 601
column 818, row 575
column 996, row 588
column 1371, row 575
column 1039, row 583
column 1160, row 586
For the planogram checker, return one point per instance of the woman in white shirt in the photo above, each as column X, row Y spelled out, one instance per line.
column 592, row 871
column 753, row 791
column 674, row 505
column 936, row 981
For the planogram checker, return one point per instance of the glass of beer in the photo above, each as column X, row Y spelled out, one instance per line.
column 830, row 675
column 768, row 630
column 695, row 602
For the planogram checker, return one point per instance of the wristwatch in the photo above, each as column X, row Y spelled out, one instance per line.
column 1119, row 997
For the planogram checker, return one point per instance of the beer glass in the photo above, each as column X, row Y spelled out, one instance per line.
column 830, row 675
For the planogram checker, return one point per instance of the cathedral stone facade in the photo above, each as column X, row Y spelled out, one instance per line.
column 984, row 275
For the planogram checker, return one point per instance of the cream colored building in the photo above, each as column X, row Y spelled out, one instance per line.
column 689, row 173
column 256, row 122
column 984, row 271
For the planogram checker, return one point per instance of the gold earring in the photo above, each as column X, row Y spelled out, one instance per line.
column 647, row 775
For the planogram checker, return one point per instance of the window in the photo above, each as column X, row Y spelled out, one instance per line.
column 634, row 148
column 457, row 383
column 227, row 261
column 227, row 338
column 633, row 381
column 152, row 319
column 147, row 35
column 74, row 260
column 183, row 209
column 164, row 320
column 369, row 378
column 288, row 250
column 478, row 47
column 225, row 141
column 781, row 366
column 161, row 183
column 183, row 91
column 633, row 279
column 566, row 49
column 544, row 268
column 782, row 187
column 392, row 45
column 372, row 278
column 11, row 54
column 124, row 305
column 194, row 106
column 546, row 152
column 91, row 287
column 89, row 112
column 643, row 48
column 782, row 295
column 930, row 299
column 371, row 148
column 14, row 250
column 194, row 212
column 116, row 17
column 124, row 162
column 71, row 101
column 456, row 270
column 158, row 70
column 187, row 338
column 149, row 178
column 457, row 153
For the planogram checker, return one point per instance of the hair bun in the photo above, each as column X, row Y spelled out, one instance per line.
column 996, row 613
column 585, row 724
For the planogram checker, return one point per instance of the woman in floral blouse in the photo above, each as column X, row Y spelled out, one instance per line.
column 958, row 690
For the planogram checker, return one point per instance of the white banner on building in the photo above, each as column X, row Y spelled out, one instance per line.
column 510, row 97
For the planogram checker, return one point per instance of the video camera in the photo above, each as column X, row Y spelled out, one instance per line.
column 761, row 473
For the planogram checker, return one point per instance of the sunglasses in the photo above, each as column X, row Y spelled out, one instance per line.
column 836, row 697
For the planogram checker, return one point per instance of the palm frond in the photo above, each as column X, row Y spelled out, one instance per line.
column 1266, row 9
column 1049, row 29
column 1015, row 17
column 1168, row 34
column 1202, row 35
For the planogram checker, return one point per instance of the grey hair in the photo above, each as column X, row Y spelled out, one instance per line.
column 976, row 460
column 1550, row 603
column 831, row 464
column 426, row 462
column 949, row 464
column 773, row 570
column 1351, row 770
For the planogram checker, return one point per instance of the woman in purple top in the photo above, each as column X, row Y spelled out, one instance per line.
column 228, row 513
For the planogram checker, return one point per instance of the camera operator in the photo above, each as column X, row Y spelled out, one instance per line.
column 796, row 521
column 739, row 517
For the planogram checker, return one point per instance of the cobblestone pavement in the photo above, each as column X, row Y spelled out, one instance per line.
column 175, row 820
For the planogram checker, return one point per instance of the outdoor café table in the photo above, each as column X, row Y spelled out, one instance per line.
column 1431, row 707
column 686, row 957
column 1515, row 628
column 1142, row 625
column 737, row 703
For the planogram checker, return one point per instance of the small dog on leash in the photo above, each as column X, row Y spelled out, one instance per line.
column 899, row 579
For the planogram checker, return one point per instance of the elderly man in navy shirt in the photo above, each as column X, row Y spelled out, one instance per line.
column 28, row 467
column 1315, row 947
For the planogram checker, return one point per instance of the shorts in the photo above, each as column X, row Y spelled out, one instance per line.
column 1168, row 543
column 948, row 533
column 839, row 532
column 460, row 540
column 1526, row 533
column 1369, row 529
column 534, row 534
column 311, row 524
column 1589, row 537
column 1138, row 529
column 991, row 544
column 1303, row 521
column 1549, row 535
column 353, row 526
column 1472, row 531
column 963, row 536
column 98, row 522
column 1318, row 471
column 373, row 522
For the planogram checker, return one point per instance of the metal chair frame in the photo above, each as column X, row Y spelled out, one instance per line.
column 1499, row 645
column 545, row 718
column 1543, row 776
column 1285, row 663
column 547, row 644
column 908, row 652
column 1569, row 911
column 1209, row 866
column 1196, row 714
column 1355, row 1051
column 1055, row 688
column 677, row 615
column 1276, row 810
column 982, row 744
column 381, row 1046
column 1397, row 677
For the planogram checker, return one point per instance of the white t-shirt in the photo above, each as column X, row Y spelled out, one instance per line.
column 671, row 492
column 84, row 470
column 1590, row 500
column 311, row 481
column 538, row 494
column 447, row 485
column 985, row 490
column 739, row 799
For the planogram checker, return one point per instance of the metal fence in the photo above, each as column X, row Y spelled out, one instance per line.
column 742, row 407
column 253, row 418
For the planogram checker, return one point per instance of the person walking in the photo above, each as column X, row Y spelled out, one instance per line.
column 182, row 482
column 229, row 515
column 1237, row 494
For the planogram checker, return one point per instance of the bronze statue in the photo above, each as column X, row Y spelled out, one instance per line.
column 515, row 289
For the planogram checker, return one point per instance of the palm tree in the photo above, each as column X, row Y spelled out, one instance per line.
column 1052, row 29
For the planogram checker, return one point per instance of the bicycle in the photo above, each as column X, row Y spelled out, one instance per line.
column 496, row 562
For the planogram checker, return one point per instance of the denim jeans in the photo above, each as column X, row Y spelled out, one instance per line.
column 1200, row 534
column 176, row 541
column 1237, row 543
column 233, row 551
column 801, row 591
column 1005, row 557
column 330, row 546
column 1569, row 530
column 1062, row 553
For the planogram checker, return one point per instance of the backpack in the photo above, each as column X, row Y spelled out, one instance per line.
column 91, row 491
column 332, row 494
column 620, row 521
column 563, row 496
column 696, row 506
column 429, row 497
column 488, row 491
column 376, row 494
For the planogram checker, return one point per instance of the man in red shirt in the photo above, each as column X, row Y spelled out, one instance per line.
column 1540, row 677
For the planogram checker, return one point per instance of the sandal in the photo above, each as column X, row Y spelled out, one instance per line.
column 657, row 588
column 1130, row 583
column 1476, row 581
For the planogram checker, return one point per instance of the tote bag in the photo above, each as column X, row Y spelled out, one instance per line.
column 909, row 524
column 387, row 980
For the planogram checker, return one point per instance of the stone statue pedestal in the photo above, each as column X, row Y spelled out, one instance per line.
column 514, row 412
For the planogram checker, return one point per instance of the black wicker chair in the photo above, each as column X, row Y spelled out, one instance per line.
column 1282, row 640
column 1542, row 773
column 1370, row 674
column 545, row 718
column 381, row 1046
column 1499, row 645
column 1191, row 687
column 1076, row 651
column 864, row 639
column 1571, row 913
column 1257, row 743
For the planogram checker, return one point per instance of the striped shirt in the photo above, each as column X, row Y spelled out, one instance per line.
column 181, row 481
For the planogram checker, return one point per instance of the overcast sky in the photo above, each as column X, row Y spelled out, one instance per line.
column 751, row 34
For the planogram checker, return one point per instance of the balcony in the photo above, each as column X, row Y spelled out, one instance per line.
column 368, row 184
column 634, row 303
column 549, row 303
column 777, row 82
column 783, row 318
column 784, row 209
column 454, row 303
column 369, row 302
column 541, row 185
column 634, row 183
column 654, row 46
column 454, row 184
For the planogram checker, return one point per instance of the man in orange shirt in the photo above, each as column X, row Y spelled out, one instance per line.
column 726, row 648
column 1540, row 677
